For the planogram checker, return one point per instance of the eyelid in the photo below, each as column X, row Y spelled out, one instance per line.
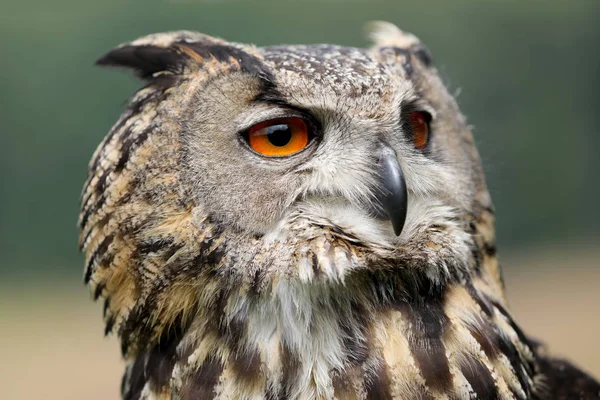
column 255, row 114
column 419, row 105
column 280, row 113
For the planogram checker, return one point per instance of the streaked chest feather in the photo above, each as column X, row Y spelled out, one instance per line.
column 312, row 342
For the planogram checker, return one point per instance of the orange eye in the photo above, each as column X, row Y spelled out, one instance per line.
column 279, row 137
column 420, row 129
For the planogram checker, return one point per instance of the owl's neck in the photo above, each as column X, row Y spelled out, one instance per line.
column 370, row 337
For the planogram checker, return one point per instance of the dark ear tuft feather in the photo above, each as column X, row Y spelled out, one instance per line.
column 146, row 60
column 163, row 58
column 149, row 59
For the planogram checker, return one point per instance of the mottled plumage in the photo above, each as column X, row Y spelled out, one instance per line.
column 234, row 276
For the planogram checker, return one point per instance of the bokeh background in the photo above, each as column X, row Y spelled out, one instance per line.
column 527, row 75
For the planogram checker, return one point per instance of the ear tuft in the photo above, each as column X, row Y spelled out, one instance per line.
column 144, row 60
column 162, row 52
column 386, row 34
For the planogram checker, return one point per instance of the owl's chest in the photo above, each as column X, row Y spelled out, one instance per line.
column 313, row 343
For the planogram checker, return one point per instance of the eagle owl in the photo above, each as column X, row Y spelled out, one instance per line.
column 301, row 222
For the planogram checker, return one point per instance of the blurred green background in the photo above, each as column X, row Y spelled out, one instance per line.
column 526, row 75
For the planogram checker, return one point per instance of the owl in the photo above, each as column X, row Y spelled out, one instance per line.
column 302, row 222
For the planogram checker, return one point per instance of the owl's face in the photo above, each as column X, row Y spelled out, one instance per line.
column 239, row 168
column 308, row 136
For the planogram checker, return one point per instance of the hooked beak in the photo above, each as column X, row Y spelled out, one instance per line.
column 393, row 196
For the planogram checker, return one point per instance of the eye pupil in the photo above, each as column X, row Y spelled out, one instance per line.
column 279, row 135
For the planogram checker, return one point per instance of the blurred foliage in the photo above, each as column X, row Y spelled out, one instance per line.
column 528, row 74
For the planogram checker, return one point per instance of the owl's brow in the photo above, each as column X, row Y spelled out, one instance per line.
column 270, row 95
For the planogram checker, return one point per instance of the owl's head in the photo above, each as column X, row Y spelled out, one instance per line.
column 244, row 167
